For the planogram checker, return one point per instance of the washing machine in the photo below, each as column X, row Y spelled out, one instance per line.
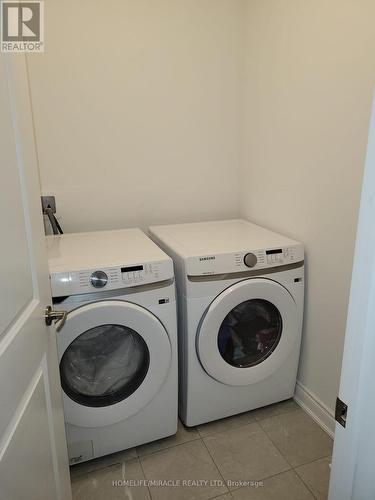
column 117, row 345
column 240, row 301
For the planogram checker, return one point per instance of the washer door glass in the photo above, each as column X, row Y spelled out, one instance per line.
column 250, row 333
column 104, row 365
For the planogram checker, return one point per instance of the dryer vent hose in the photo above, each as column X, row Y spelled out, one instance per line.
column 56, row 228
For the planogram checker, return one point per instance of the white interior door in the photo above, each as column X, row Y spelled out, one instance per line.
column 352, row 474
column 33, row 455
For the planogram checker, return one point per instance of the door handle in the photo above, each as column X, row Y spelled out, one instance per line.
column 58, row 316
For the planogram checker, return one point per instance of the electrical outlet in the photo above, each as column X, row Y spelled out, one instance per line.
column 48, row 201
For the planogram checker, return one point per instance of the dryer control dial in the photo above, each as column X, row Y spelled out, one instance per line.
column 98, row 279
column 250, row 260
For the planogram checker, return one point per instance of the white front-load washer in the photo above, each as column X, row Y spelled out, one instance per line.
column 118, row 346
column 240, row 300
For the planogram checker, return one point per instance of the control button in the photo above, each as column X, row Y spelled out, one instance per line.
column 98, row 279
column 250, row 260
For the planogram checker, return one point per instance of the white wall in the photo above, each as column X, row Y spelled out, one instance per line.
column 139, row 113
column 136, row 107
column 310, row 73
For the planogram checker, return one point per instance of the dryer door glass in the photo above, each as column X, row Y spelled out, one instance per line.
column 249, row 333
column 104, row 365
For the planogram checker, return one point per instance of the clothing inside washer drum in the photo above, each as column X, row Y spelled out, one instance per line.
column 104, row 365
column 250, row 333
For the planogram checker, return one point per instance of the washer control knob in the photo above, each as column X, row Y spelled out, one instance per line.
column 98, row 279
column 250, row 260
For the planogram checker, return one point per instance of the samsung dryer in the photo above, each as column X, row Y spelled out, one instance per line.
column 118, row 346
column 240, row 301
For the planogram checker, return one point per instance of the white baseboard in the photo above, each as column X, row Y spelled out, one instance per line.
column 312, row 405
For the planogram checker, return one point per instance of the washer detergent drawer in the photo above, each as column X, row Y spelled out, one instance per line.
column 248, row 332
column 114, row 357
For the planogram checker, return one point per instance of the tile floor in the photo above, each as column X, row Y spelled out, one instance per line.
column 279, row 451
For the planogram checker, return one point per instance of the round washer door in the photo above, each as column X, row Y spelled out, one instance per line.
column 247, row 332
column 114, row 357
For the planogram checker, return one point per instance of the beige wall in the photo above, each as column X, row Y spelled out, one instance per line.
column 136, row 108
column 310, row 73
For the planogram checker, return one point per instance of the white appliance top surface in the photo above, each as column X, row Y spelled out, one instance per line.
column 205, row 238
column 101, row 249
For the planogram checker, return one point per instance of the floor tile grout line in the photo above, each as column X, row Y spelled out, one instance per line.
column 292, row 411
column 306, row 485
column 278, row 414
column 308, row 463
column 144, row 475
column 301, row 478
column 99, row 469
column 279, row 474
column 253, row 421
column 231, row 429
column 274, row 444
column 284, row 413
column 217, row 467
column 312, row 461
column 220, row 496
column 265, row 478
column 277, row 448
column 291, row 467
column 169, row 447
column 199, row 436
column 282, row 454
column 180, row 444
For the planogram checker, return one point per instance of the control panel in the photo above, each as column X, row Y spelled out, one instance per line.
column 246, row 260
column 97, row 280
